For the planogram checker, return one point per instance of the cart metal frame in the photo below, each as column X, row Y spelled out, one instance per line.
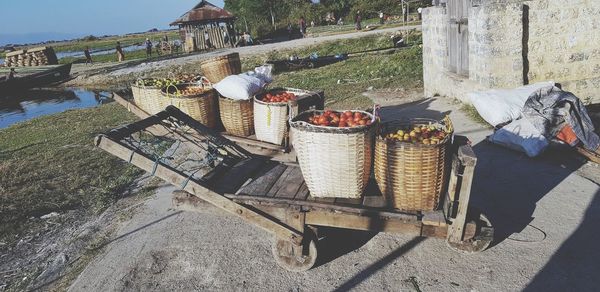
column 273, row 195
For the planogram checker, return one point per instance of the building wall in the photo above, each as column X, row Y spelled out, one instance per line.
column 513, row 42
column 496, row 44
column 564, row 45
column 435, row 54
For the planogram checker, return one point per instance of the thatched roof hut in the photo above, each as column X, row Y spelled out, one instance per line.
column 209, row 25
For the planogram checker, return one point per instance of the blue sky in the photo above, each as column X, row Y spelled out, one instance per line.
column 79, row 17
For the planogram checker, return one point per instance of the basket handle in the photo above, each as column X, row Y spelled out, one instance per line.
column 140, row 82
column 177, row 92
column 376, row 113
column 204, row 82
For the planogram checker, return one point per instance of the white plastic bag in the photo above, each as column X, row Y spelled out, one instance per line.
column 239, row 87
column 522, row 136
column 499, row 106
column 264, row 72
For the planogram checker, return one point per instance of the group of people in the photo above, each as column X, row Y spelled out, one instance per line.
column 119, row 50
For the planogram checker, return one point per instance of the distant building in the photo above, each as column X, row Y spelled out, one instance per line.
column 208, row 25
column 479, row 44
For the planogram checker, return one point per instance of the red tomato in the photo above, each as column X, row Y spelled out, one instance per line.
column 342, row 124
column 362, row 122
column 348, row 114
column 322, row 120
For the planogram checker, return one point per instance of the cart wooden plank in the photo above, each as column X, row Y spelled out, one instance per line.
column 261, row 184
column 231, row 181
column 303, row 192
column 288, row 184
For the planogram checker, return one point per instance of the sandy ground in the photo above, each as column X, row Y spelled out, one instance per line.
column 544, row 210
column 102, row 73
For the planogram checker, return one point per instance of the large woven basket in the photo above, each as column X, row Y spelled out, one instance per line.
column 271, row 119
column 201, row 107
column 237, row 116
column 148, row 98
column 411, row 176
column 335, row 162
column 217, row 68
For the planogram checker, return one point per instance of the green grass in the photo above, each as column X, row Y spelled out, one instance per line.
column 401, row 69
column 110, row 42
column 349, row 27
column 133, row 55
column 49, row 164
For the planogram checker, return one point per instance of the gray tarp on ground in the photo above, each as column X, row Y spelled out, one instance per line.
column 549, row 108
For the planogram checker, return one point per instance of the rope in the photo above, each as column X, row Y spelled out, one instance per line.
column 131, row 156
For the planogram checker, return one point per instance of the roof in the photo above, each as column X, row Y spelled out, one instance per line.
column 204, row 12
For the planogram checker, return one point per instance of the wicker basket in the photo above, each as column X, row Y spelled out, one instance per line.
column 411, row 176
column 148, row 98
column 201, row 107
column 271, row 119
column 335, row 162
column 237, row 116
column 217, row 68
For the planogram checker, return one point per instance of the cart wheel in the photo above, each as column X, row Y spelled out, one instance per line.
column 483, row 236
column 296, row 258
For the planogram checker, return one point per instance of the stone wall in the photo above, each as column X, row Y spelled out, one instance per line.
column 495, row 44
column 513, row 42
column 436, row 79
column 564, row 45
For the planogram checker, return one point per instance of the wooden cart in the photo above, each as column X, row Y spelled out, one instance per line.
column 273, row 195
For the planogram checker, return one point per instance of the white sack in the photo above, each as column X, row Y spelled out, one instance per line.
column 239, row 87
column 522, row 136
column 499, row 106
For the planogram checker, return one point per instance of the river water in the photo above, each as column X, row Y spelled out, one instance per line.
column 27, row 105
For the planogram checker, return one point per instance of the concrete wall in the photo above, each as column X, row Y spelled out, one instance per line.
column 495, row 44
column 564, row 45
column 436, row 79
column 513, row 42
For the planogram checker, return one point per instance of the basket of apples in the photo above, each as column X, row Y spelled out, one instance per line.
column 271, row 113
column 334, row 151
column 411, row 159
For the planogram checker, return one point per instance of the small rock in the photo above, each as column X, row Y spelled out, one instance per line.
column 50, row 215
column 369, row 88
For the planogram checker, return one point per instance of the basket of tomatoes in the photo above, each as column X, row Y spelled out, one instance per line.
column 411, row 162
column 198, row 100
column 334, row 150
column 271, row 113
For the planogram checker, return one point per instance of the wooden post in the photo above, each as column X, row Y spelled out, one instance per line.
column 468, row 160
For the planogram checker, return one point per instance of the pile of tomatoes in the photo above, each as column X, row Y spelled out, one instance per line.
column 279, row 97
column 423, row 134
column 340, row 119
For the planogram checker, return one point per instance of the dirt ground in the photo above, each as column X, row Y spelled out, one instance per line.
column 544, row 211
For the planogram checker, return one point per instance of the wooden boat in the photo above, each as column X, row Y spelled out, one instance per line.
column 34, row 80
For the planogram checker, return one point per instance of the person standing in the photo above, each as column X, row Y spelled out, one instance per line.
column 119, row 50
column 88, row 56
column 302, row 25
column 357, row 20
column 11, row 74
column 381, row 17
column 148, row 48
column 289, row 31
